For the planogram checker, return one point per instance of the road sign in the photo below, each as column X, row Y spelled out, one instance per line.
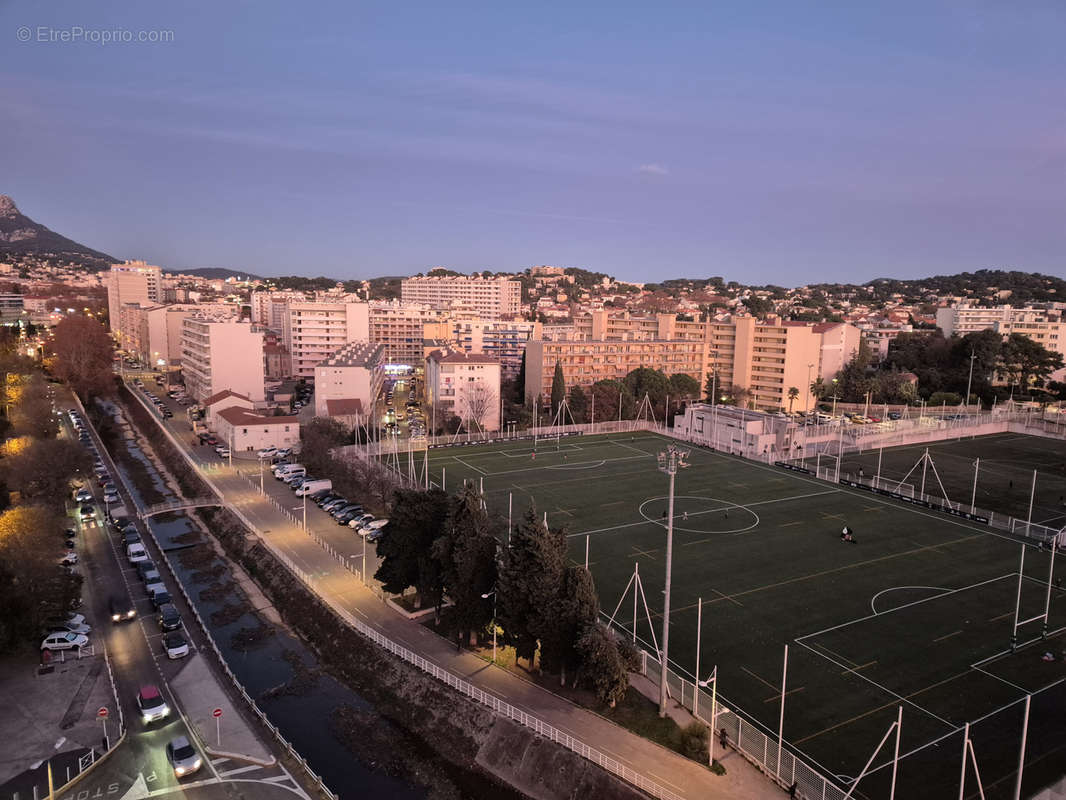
column 102, row 713
column 216, row 713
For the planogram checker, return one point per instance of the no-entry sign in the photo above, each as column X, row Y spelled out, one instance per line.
column 216, row 713
column 102, row 713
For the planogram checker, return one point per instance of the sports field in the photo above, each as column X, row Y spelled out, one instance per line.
column 1004, row 474
column 918, row 612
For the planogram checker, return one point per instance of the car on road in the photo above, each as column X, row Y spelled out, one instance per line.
column 87, row 512
column 183, row 757
column 83, row 496
column 175, row 645
column 69, row 559
column 64, row 641
column 121, row 608
column 169, row 617
column 152, row 705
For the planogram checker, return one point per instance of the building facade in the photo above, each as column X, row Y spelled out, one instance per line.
column 400, row 329
column 219, row 353
column 465, row 385
column 502, row 339
column 132, row 282
column 312, row 331
column 487, row 297
column 246, row 432
column 349, row 381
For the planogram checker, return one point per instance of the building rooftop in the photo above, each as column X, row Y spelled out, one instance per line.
column 345, row 407
column 459, row 357
column 240, row 416
column 356, row 354
column 223, row 395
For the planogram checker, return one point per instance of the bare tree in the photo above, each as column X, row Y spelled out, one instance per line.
column 475, row 403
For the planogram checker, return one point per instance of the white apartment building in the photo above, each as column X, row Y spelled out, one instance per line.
column 219, row 353
column 963, row 318
column 349, row 381
column 269, row 308
column 131, row 282
column 154, row 332
column 312, row 331
column 1045, row 326
column 488, row 297
column 244, row 431
column 465, row 385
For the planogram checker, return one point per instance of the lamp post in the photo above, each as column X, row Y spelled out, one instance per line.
column 712, row 681
column 807, row 403
column 671, row 460
column 835, row 397
column 486, row 596
column 261, row 491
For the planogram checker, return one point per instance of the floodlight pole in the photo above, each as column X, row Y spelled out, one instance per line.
column 1017, row 602
column 969, row 381
column 670, row 460
column 1050, row 575
column 1021, row 753
column 965, row 750
column 781, row 718
column 973, row 495
column 696, row 688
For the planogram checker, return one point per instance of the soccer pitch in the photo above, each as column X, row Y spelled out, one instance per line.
column 917, row 613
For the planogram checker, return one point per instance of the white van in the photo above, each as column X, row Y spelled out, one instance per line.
column 135, row 552
column 312, row 486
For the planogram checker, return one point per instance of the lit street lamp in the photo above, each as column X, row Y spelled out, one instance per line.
column 670, row 460
column 486, row 596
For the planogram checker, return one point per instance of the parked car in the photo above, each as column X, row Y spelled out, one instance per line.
column 267, row 452
column 151, row 576
column 337, row 502
column 183, row 757
column 175, row 645
column 66, row 616
column 376, row 534
column 309, row 487
column 64, row 641
column 69, row 559
column 66, row 626
column 136, row 552
column 223, row 452
column 110, row 498
column 160, row 598
column 894, row 415
column 152, row 705
column 130, row 536
column 169, row 617
column 122, row 608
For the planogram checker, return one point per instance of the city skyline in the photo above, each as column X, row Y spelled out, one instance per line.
column 772, row 146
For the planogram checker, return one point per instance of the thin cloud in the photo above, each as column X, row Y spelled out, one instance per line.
column 653, row 169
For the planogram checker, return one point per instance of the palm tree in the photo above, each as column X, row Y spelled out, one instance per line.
column 818, row 389
column 793, row 393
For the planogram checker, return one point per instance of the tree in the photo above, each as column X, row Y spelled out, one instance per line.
column 83, row 356
column 712, row 389
column 475, row 403
column 519, row 397
column 651, row 382
column 603, row 667
column 31, row 412
column 734, row 395
column 416, row 519
column 317, row 438
column 528, row 583
column 558, row 388
column 1026, row 361
column 32, row 584
column 853, row 381
column 945, row 399
column 684, row 385
column 578, row 403
column 576, row 607
column 608, row 394
column 819, row 388
column 41, row 469
column 793, row 393
column 466, row 552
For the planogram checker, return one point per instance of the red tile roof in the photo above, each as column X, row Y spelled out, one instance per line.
column 456, row 357
column 225, row 393
column 345, row 407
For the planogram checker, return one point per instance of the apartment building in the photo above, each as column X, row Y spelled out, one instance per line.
column 269, row 308
column 349, row 381
column 964, row 318
column 131, row 282
column 244, row 431
column 767, row 358
column 219, row 353
column 505, row 340
column 1045, row 326
column 466, row 385
column 313, row 331
column 400, row 328
column 153, row 332
column 487, row 297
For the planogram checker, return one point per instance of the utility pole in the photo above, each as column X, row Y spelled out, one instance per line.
column 670, row 461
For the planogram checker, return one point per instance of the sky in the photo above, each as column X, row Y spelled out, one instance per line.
column 765, row 142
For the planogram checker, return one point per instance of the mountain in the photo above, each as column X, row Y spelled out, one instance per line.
column 21, row 235
column 215, row 273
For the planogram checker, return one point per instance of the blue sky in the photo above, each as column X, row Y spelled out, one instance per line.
column 765, row 142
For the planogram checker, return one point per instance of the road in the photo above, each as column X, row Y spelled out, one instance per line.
column 139, row 764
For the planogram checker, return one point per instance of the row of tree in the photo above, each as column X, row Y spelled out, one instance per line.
column 36, row 468
column 448, row 547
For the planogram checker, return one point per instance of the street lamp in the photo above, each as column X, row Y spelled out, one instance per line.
column 486, row 596
column 835, row 396
column 712, row 681
column 671, row 460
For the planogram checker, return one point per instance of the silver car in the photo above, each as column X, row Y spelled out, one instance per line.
column 183, row 757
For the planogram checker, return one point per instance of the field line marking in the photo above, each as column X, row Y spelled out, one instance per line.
column 777, row 697
column 873, row 600
column 470, row 466
column 835, row 654
column 906, row 699
column 905, row 605
column 727, row 597
column 1002, row 616
column 864, row 666
column 635, row 449
column 541, row 467
column 947, row 636
column 998, row 678
column 765, row 683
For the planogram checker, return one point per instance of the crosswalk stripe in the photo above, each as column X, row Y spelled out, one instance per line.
column 239, row 770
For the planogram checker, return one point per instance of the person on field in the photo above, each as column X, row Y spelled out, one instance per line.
column 846, row 535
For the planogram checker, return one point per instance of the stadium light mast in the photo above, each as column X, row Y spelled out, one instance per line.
column 671, row 460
